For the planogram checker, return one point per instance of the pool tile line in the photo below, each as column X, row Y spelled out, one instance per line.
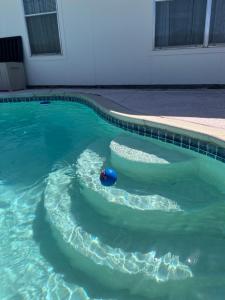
column 206, row 148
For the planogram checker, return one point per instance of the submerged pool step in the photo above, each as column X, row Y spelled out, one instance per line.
column 146, row 159
column 112, row 267
column 88, row 168
column 120, row 206
column 150, row 212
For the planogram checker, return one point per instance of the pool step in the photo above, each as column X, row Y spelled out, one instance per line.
column 149, row 212
column 122, row 207
column 112, row 267
column 146, row 159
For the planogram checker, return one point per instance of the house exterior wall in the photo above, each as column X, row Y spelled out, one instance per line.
column 111, row 43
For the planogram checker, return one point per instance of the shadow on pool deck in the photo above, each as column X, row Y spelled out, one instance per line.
column 189, row 105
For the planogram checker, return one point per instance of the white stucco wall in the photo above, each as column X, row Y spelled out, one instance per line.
column 110, row 42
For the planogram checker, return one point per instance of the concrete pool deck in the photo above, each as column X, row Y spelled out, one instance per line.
column 195, row 110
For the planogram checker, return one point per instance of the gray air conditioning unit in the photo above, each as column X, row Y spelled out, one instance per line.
column 12, row 74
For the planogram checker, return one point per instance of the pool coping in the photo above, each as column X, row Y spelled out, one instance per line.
column 196, row 137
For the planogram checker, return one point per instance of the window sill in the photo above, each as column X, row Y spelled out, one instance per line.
column 178, row 47
column 47, row 57
column 189, row 50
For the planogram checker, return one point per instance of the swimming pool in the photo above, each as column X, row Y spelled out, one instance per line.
column 157, row 234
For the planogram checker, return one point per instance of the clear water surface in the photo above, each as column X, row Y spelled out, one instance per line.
column 39, row 141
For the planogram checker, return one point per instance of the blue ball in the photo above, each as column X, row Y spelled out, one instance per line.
column 108, row 177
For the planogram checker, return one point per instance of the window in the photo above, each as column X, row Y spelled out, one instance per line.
column 189, row 23
column 217, row 24
column 42, row 26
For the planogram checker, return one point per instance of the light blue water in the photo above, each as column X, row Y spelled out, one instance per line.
column 63, row 236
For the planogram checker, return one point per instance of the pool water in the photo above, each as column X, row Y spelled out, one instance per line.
column 64, row 236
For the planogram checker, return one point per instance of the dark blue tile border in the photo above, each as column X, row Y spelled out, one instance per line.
column 184, row 141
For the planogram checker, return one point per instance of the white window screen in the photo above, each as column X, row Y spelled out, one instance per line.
column 42, row 26
column 180, row 22
column 217, row 24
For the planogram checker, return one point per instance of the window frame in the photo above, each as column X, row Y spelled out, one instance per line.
column 55, row 12
column 205, row 43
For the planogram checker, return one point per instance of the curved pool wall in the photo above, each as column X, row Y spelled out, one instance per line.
column 196, row 142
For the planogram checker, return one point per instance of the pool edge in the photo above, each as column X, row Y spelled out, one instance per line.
column 179, row 133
